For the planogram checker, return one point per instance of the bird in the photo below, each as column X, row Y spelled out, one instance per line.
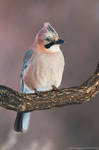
column 43, row 67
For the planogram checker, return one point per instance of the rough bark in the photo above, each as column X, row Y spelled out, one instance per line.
column 13, row 100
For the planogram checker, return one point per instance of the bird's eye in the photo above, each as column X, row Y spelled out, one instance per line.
column 48, row 39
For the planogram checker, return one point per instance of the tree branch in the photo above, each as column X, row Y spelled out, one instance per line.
column 13, row 100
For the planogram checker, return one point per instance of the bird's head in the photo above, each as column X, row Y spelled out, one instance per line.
column 47, row 39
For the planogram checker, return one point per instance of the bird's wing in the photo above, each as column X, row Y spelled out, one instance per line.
column 26, row 60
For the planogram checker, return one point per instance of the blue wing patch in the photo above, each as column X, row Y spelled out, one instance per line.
column 26, row 59
column 25, row 65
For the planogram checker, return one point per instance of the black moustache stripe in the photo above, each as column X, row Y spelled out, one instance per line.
column 49, row 45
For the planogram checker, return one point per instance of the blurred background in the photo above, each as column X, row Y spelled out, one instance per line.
column 77, row 22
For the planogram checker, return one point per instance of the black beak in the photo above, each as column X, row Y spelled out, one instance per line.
column 59, row 41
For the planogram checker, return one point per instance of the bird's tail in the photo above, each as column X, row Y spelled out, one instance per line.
column 22, row 122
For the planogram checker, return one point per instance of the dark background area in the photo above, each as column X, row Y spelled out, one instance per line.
column 77, row 22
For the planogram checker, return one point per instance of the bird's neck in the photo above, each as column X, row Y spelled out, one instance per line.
column 52, row 49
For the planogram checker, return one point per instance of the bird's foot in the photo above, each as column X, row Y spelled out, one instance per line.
column 55, row 88
column 38, row 93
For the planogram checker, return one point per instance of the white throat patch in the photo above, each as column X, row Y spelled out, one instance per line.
column 54, row 48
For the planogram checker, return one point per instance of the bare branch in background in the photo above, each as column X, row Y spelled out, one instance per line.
column 13, row 100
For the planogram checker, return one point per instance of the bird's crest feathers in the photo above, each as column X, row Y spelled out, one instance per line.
column 49, row 28
column 47, row 31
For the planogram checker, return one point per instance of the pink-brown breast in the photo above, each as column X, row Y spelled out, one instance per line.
column 44, row 71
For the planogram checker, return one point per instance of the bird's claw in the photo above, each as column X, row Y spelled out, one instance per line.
column 55, row 88
column 38, row 93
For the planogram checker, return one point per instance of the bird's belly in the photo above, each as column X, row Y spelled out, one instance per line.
column 48, row 76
